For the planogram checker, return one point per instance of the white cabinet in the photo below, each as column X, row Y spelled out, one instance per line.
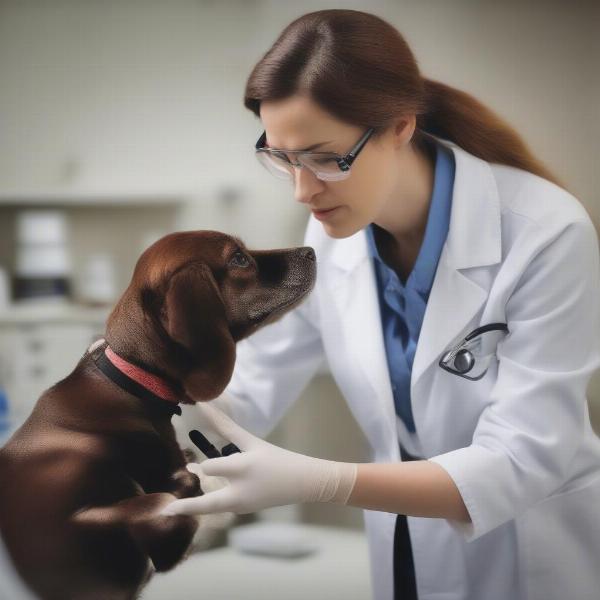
column 40, row 347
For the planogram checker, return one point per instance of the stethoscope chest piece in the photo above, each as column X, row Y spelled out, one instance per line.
column 460, row 359
column 464, row 361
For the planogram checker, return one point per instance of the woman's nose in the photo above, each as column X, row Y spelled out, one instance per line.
column 306, row 184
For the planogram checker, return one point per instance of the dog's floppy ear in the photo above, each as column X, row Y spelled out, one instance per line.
column 194, row 316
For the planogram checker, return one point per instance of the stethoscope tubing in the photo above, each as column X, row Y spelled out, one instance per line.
column 484, row 328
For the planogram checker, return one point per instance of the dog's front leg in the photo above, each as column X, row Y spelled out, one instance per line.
column 164, row 539
column 181, row 482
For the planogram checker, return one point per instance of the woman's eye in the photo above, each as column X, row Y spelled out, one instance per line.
column 325, row 162
column 239, row 260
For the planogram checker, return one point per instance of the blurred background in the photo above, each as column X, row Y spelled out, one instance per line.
column 121, row 121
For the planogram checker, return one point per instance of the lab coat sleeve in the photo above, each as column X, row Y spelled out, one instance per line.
column 527, row 437
column 272, row 368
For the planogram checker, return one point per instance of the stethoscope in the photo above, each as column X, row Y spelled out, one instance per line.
column 460, row 360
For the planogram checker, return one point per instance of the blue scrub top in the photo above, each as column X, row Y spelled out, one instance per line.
column 402, row 307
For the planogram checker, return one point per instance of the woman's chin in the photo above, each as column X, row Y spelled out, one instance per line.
column 341, row 230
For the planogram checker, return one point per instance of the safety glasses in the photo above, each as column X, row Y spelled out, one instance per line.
column 327, row 166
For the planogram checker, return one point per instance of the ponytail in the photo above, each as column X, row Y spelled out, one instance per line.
column 460, row 118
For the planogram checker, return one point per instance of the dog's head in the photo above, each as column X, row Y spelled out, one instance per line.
column 194, row 294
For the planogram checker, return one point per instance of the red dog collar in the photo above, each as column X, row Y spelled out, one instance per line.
column 151, row 382
column 134, row 378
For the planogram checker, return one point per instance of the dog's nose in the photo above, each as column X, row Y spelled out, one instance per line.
column 308, row 253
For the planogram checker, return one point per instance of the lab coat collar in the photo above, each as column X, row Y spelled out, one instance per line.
column 474, row 232
column 474, row 237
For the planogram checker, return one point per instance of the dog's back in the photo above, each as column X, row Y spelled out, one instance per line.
column 71, row 455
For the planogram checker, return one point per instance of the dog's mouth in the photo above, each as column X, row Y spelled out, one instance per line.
column 262, row 318
column 285, row 279
column 257, row 319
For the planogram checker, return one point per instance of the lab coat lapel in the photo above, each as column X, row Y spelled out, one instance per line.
column 474, row 240
column 453, row 302
column 355, row 295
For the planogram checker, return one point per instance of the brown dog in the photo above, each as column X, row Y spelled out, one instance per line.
column 82, row 480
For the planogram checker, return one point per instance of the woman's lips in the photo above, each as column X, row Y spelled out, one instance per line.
column 324, row 214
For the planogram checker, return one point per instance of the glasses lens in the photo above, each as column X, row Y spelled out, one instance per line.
column 324, row 166
column 276, row 165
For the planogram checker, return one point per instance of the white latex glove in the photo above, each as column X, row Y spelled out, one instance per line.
column 262, row 475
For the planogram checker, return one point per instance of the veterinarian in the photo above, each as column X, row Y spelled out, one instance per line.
column 457, row 306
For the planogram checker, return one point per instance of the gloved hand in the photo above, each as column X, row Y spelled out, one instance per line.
column 262, row 475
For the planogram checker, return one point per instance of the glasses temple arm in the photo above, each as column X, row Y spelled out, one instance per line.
column 349, row 158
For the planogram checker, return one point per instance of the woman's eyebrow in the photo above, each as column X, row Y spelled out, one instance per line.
column 315, row 146
column 308, row 149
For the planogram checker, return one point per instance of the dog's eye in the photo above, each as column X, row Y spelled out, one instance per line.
column 239, row 260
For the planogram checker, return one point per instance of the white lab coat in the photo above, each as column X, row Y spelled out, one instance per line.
column 518, row 442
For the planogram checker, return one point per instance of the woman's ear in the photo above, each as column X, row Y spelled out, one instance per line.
column 194, row 316
column 403, row 129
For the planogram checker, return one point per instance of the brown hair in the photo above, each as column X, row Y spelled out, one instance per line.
column 360, row 69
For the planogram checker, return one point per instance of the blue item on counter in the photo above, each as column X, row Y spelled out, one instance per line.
column 5, row 421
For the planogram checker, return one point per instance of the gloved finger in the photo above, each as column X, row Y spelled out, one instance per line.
column 213, row 502
column 225, row 426
column 195, row 468
column 224, row 466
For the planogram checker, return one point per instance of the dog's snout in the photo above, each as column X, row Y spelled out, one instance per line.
column 308, row 253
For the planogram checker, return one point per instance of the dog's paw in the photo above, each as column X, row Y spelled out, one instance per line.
column 184, row 483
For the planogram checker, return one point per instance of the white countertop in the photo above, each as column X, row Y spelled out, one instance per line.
column 339, row 569
column 58, row 309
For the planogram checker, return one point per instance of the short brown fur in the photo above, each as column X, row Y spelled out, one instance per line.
column 82, row 481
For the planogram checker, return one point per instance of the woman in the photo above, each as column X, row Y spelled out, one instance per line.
column 457, row 306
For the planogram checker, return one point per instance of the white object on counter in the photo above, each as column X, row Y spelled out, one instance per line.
column 42, row 243
column 98, row 285
column 41, row 226
column 5, row 293
column 272, row 539
column 42, row 260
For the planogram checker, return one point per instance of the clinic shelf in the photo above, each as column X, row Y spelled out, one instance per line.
column 58, row 198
